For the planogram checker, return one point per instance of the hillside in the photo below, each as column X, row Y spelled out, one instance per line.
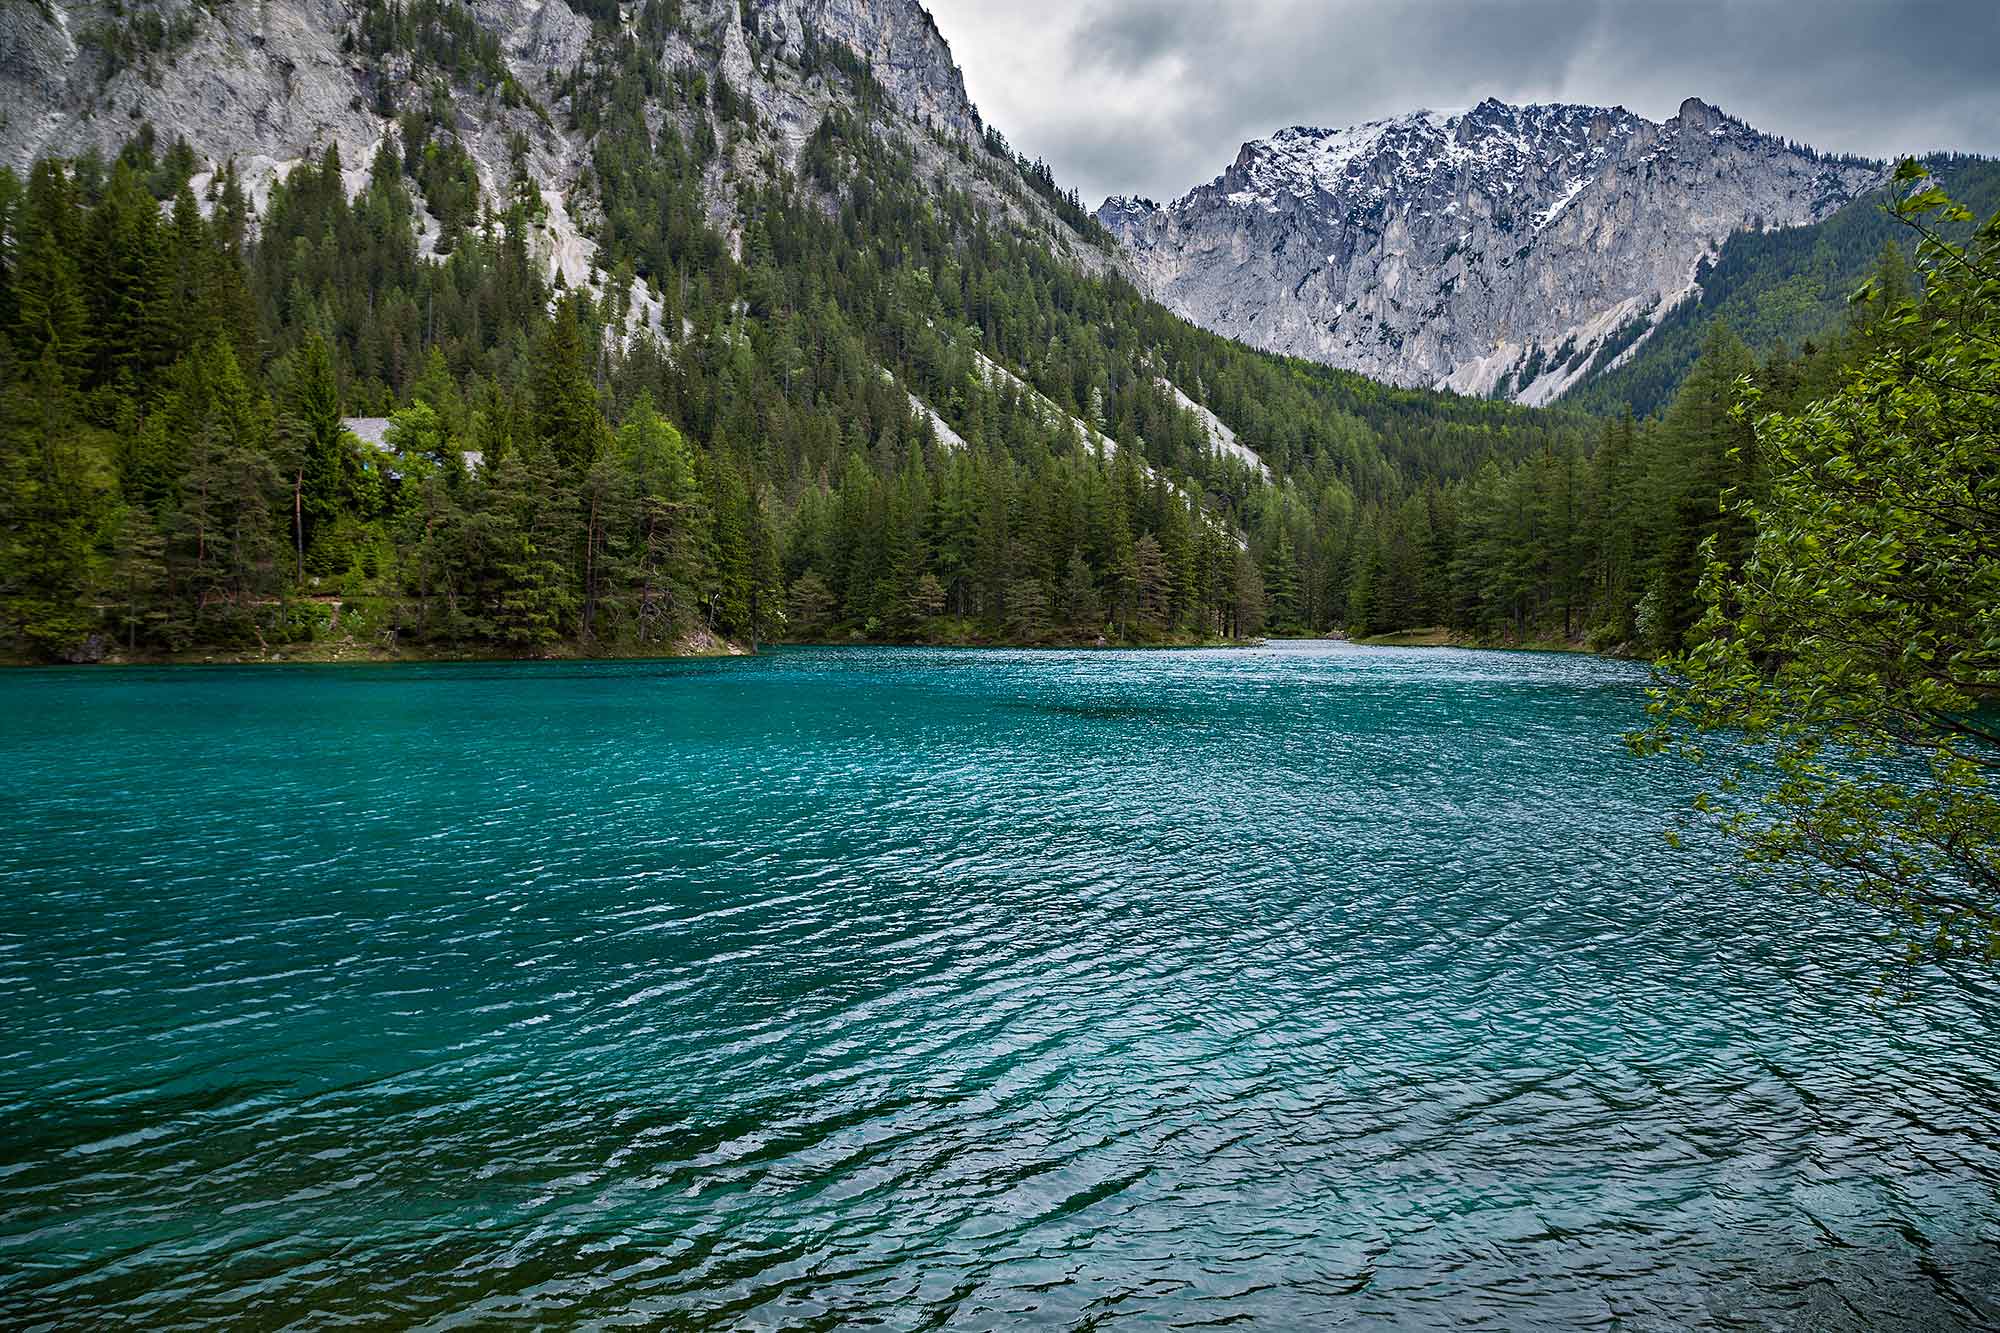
column 735, row 317
column 1776, row 289
column 1506, row 251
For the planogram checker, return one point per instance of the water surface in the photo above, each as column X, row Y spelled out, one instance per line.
column 1303, row 987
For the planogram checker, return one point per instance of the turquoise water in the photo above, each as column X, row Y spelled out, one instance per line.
column 1289, row 988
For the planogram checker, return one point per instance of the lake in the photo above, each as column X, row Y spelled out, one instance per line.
column 1292, row 987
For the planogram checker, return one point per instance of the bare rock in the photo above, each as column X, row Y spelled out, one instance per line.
column 1497, row 250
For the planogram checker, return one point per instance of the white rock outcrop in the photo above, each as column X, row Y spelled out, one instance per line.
column 1506, row 249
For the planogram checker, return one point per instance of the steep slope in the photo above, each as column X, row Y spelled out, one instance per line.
column 1498, row 251
column 1782, row 288
column 277, row 78
column 740, row 316
column 266, row 85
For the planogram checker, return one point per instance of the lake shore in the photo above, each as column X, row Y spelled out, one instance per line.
column 358, row 638
column 696, row 645
column 1437, row 636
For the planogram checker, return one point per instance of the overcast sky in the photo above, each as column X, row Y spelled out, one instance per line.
column 1154, row 97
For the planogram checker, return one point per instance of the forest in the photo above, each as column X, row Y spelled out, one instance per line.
column 805, row 436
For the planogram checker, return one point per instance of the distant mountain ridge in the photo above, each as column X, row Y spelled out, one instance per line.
column 1786, row 289
column 1512, row 251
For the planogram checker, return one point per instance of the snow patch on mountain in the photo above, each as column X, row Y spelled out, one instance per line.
column 1500, row 249
column 1555, row 210
column 1220, row 438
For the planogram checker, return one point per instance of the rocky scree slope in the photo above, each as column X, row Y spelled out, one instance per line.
column 1511, row 251
column 265, row 84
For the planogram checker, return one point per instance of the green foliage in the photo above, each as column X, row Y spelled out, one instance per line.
column 58, row 489
column 1786, row 287
column 439, row 34
column 567, row 419
column 1843, row 675
column 319, row 457
column 681, row 446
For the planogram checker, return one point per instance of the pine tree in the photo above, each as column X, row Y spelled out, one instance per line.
column 809, row 607
column 567, row 418
column 130, row 284
column 523, row 538
column 50, row 314
column 136, row 575
column 314, row 439
column 1364, row 597
column 1155, row 583
column 1027, row 610
column 1081, row 609
column 55, row 482
column 1246, row 602
column 670, row 518
column 1699, row 452
column 221, row 543
column 1281, row 582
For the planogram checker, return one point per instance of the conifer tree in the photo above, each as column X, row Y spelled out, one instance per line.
column 568, row 420
column 50, row 314
column 57, row 482
column 314, row 440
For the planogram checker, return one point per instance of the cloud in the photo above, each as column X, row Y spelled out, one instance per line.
column 1155, row 96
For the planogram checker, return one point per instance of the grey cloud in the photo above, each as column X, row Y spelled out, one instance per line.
column 1155, row 96
column 1134, row 36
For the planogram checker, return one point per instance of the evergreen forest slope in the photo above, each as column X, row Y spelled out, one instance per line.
column 528, row 329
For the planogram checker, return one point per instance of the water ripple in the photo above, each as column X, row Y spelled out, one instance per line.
column 1279, row 989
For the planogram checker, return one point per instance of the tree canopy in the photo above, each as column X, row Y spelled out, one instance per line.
column 1843, row 672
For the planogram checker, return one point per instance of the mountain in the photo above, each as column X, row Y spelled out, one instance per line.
column 598, row 117
column 1778, row 290
column 364, row 326
column 1511, row 251
column 540, row 327
column 266, row 85
column 273, row 78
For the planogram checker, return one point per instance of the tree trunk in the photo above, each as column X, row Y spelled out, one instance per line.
column 590, row 570
column 299, row 521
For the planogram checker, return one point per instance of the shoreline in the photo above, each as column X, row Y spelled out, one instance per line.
column 701, row 645
column 352, row 652
column 1439, row 637
column 701, row 648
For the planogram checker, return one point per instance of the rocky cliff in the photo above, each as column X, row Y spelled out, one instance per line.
column 1507, row 250
column 277, row 77
column 899, row 40
column 265, row 84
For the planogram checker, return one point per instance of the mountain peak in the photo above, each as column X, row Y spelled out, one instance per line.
column 1700, row 115
column 1503, row 248
column 1494, row 146
column 900, row 41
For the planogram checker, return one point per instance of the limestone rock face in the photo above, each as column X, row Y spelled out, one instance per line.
column 550, row 36
column 1510, row 250
column 275, row 79
column 270, row 83
column 247, row 81
column 899, row 40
